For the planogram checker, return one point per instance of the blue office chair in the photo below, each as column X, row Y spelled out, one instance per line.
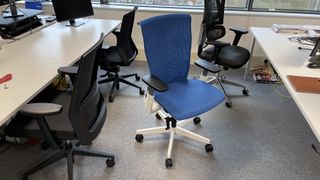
column 167, row 42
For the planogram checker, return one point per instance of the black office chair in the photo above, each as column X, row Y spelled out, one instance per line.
column 76, row 116
column 123, row 54
column 219, row 52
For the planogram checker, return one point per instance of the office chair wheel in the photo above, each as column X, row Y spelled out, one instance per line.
column 169, row 163
column 196, row 120
column 228, row 104
column 141, row 92
column 111, row 99
column 110, row 162
column 137, row 78
column 139, row 138
column 158, row 116
column 245, row 92
column 209, row 147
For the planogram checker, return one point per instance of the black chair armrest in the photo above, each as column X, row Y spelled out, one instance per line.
column 155, row 83
column 239, row 32
column 70, row 70
column 218, row 44
column 40, row 109
column 116, row 32
column 206, row 65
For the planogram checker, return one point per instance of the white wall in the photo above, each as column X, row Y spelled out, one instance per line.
column 232, row 19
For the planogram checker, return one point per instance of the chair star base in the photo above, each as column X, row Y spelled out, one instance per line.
column 178, row 130
column 69, row 151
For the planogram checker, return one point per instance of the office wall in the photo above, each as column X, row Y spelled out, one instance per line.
column 232, row 19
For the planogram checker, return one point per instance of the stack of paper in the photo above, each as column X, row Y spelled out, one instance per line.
column 287, row 28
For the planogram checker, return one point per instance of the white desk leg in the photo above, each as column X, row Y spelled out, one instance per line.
column 249, row 62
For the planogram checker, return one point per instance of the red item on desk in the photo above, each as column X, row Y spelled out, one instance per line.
column 5, row 78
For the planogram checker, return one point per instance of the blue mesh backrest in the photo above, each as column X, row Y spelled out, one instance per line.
column 167, row 43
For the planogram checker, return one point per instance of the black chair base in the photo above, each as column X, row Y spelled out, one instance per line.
column 222, row 80
column 116, row 79
column 69, row 151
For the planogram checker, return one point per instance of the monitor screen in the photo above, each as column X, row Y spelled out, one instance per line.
column 69, row 10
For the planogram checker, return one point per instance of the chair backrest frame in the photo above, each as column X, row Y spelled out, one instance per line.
column 125, row 45
column 167, row 43
column 87, row 111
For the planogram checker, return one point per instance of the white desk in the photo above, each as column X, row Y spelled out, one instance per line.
column 287, row 59
column 34, row 60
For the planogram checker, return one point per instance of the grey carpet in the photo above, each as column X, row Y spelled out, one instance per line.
column 263, row 136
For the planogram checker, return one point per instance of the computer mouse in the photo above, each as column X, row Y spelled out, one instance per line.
column 313, row 65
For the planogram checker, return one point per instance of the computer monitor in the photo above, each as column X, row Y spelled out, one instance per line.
column 69, row 10
column 315, row 56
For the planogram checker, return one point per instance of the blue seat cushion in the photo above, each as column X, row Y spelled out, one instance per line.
column 188, row 98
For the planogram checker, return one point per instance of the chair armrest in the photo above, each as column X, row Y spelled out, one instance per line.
column 239, row 32
column 70, row 70
column 155, row 83
column 116, row 32
column 218, row 44
column 40, row 109
column 206, row 65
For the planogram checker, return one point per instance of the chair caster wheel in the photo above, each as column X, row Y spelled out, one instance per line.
column 141, row 92
column 137, row 78
column 110, row 162
column 245, row 92
column 196, row 120
column 111, row 99
column 158, row 116
column 139, row 138
column 209, row 147
column 228, row 104
column 169, row 163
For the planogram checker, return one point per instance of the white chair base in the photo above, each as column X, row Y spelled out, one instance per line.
column 178, row 130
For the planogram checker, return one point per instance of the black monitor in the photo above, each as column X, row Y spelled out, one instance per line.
column 69, row 10
column 315, row 56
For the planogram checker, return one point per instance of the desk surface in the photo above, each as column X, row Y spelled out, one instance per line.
column 287, row 59
column 34, row 60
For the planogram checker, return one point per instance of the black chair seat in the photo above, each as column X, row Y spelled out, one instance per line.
column 207, row 54
column 233, row 57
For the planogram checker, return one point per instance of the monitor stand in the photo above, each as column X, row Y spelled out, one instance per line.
column 315, row 59
column 314, row 62
column 74, row 23
column 13, row 11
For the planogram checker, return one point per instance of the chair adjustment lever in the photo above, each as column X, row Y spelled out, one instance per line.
column 173, row 122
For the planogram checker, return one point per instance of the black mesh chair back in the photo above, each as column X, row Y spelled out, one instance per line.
column 87, row 109
column 125, row 45
column 213, row 19
column 212, row 27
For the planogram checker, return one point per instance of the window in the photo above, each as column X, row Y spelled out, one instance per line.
column 179, row 3
column 312, row 6
column 309, row 5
